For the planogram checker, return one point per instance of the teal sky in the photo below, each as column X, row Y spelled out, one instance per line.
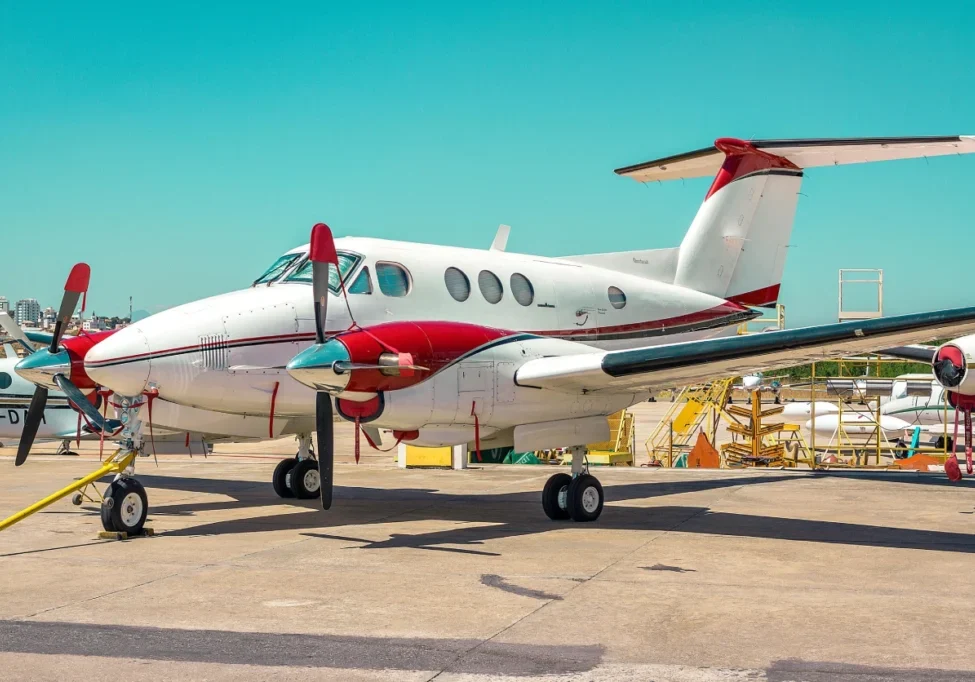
column 179, row 149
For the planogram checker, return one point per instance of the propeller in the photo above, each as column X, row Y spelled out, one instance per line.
column 74, row 288
column 326, row 446
column 15, row 332
column 322, row 254
column 84, row 405
column 949, row 366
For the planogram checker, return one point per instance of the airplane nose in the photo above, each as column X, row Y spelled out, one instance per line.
column 121, row 362
column 314, row 366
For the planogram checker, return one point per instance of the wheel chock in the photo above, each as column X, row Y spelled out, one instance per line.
column 122, row 535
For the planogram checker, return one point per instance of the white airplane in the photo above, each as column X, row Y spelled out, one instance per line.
column 409, row 347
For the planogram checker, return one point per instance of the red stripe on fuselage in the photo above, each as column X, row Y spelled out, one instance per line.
column 447, row 341
column 760, row 297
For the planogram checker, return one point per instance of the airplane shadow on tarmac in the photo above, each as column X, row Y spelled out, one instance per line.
column 507, row 515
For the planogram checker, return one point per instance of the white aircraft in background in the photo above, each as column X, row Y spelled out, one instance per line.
column 59, row 421
column 409, row 347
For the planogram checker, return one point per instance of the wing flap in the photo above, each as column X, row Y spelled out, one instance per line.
column 692, row 362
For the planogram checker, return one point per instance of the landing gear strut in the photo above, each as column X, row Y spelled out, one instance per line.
column 297, row 477
column 578, row 497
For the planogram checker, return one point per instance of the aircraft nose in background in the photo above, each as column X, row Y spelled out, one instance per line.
column 121, row 362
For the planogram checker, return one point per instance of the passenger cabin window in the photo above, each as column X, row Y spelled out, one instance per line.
column 362, row 283
column 522, row 289
column 457, row 283
column 5, row 380
column 490, row 286
column 393, row 279
column 277, row 268
column 347, row 263
column 617, row 298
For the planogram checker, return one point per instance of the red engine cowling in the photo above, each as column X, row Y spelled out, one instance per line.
column 77, row 348
column 431, row 345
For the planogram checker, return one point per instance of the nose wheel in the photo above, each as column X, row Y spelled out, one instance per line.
column 124, row 507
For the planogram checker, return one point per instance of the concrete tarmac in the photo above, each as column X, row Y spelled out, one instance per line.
column 421, row 575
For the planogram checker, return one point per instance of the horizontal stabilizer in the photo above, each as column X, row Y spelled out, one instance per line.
column 809, row 153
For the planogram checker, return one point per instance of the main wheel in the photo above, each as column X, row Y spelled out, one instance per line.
column 305, row 481
column 554, row 497
column 124, row 507
column 281, row 478
column 584, row 500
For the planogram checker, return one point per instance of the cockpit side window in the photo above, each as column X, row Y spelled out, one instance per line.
column 278, row 268
column 347, row 263
column 362, row 283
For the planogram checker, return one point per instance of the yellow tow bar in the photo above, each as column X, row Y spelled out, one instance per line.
column 117, row 463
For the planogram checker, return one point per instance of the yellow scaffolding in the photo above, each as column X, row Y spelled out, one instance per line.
column 687, row 415
column 758, row 446
column 619, row 448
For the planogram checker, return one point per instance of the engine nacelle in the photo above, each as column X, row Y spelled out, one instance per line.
column 951, row 365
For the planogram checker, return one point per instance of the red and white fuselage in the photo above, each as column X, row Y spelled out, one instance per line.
column 227, row 353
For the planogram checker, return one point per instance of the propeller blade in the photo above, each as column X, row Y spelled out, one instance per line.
column 326, row 445
column 35, row 413
column 322, row 254
column 9, row 325
column 80, row 401
column 74, row 287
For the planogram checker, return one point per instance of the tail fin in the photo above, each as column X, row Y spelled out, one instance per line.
column 736, row 246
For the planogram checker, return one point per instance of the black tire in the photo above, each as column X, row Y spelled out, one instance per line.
column 304, row 480
column 585, row 498
column 550, row 496
column 125, row 507
column 281, row 479
column 941, row 445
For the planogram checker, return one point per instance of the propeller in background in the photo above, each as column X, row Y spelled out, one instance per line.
column 9, row 325
column 74, row 288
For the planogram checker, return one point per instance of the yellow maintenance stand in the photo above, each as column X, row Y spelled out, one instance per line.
column 117, row 463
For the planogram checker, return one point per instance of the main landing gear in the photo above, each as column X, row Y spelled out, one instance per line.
column 297, row 477
column 578, row 497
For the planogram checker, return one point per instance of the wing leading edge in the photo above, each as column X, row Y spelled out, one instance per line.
column 696, row 361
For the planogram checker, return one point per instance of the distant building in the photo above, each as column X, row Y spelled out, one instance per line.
column 48, row 318
column 4, row 305
column 94, row 324
column 28, row 312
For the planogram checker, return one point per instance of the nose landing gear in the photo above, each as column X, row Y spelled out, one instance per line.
column 578, row 497
column 124, row 507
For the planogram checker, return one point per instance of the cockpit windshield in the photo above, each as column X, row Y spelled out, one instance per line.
column 277, row 268
column 347, row 263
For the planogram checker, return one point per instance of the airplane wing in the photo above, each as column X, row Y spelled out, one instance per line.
column 692, row 362
column 808, row 153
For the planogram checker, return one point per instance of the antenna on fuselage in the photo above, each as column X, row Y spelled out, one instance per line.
column 501, row 238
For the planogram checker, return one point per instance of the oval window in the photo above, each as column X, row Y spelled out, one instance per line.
column 617, row 298
column 457, row 283
column 490, row 286
column 5, row 380
column 393, row 279
column 522, row 289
